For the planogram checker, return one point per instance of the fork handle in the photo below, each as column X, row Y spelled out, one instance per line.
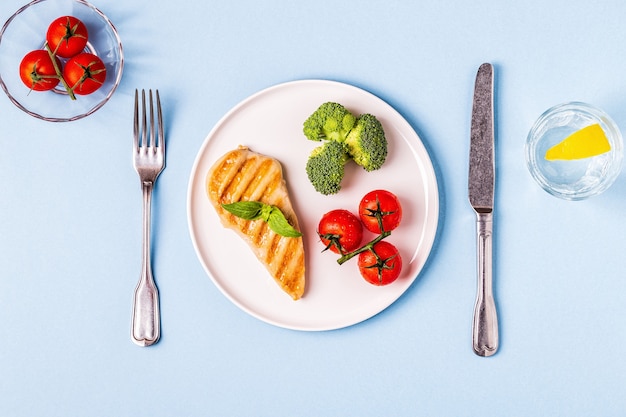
column 146, row 320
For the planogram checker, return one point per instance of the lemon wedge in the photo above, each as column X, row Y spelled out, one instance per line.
column 584, row 143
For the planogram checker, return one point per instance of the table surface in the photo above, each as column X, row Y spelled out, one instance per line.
column 70, row 233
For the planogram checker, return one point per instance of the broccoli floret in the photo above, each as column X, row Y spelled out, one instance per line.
column 325, row 167
column 331, row 121
column 366, row 143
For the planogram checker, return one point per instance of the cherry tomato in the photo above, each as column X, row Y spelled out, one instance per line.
column 67, row 36
column 380, row 206
column 37, row 71
column 340, row 230
column 380, row 265
column 84, row 73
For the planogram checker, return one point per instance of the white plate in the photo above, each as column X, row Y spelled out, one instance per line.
column 270, row 122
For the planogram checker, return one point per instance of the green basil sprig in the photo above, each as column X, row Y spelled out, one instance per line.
column 255, row 210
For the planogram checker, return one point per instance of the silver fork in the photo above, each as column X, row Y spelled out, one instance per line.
column 149, row 161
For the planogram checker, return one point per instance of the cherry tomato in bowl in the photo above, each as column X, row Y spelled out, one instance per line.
column 380, row 265
column 67, row 36
column 380, row 207
column 84, row 73
column 340, row 231
column 37, row 71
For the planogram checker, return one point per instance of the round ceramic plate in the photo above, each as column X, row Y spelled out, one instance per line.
column 270, row 122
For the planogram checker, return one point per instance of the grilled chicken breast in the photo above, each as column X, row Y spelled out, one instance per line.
column 243, row 175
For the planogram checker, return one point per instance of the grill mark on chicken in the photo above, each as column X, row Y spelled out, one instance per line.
column 285, row 255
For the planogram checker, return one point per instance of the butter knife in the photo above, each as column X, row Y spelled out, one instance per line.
column 481, row 197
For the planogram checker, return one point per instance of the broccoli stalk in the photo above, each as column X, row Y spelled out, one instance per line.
column 325, row 167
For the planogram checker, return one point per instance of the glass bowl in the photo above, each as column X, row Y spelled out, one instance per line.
column 26, row 30
column 573, row 179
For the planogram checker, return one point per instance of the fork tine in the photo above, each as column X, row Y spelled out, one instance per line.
column 152, row 142
column 144, row 132
column 161, row 131
column 136, row 122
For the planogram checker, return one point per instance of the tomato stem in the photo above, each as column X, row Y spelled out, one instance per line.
column 333, row 241
column 88, row 74
column 366, row 247
column 381, row 265
column 59, row 73
column 378, row 214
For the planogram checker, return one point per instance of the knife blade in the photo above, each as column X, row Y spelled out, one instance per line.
column 481, row 196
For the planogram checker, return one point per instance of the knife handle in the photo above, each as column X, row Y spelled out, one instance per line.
column 485, row 327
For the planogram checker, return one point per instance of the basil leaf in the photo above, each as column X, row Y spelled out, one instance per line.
column 248, row 210
column 279, row 224
column 255, row 210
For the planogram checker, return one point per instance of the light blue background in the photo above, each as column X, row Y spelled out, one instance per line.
column 70, row 225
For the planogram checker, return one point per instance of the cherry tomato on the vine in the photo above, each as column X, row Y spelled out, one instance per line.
column 37, row 71
column 67, row 36
column 380, row 265
column 84, row 73
column 380, row 206
column 340, row 231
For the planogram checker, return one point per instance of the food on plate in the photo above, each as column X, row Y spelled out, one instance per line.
column 325, row 167
column 341, row 231
column 255, row 210
column 331, row 121
column 346, row 137
column 37, row 71
column 367, row 143
column 244, row 175
column 380, row 210
column 84, row 73
column 67, row 36
column 584, row 143
column 381, row 265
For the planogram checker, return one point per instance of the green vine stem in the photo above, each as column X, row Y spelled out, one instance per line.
column 59, row 73
column 363, row 248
